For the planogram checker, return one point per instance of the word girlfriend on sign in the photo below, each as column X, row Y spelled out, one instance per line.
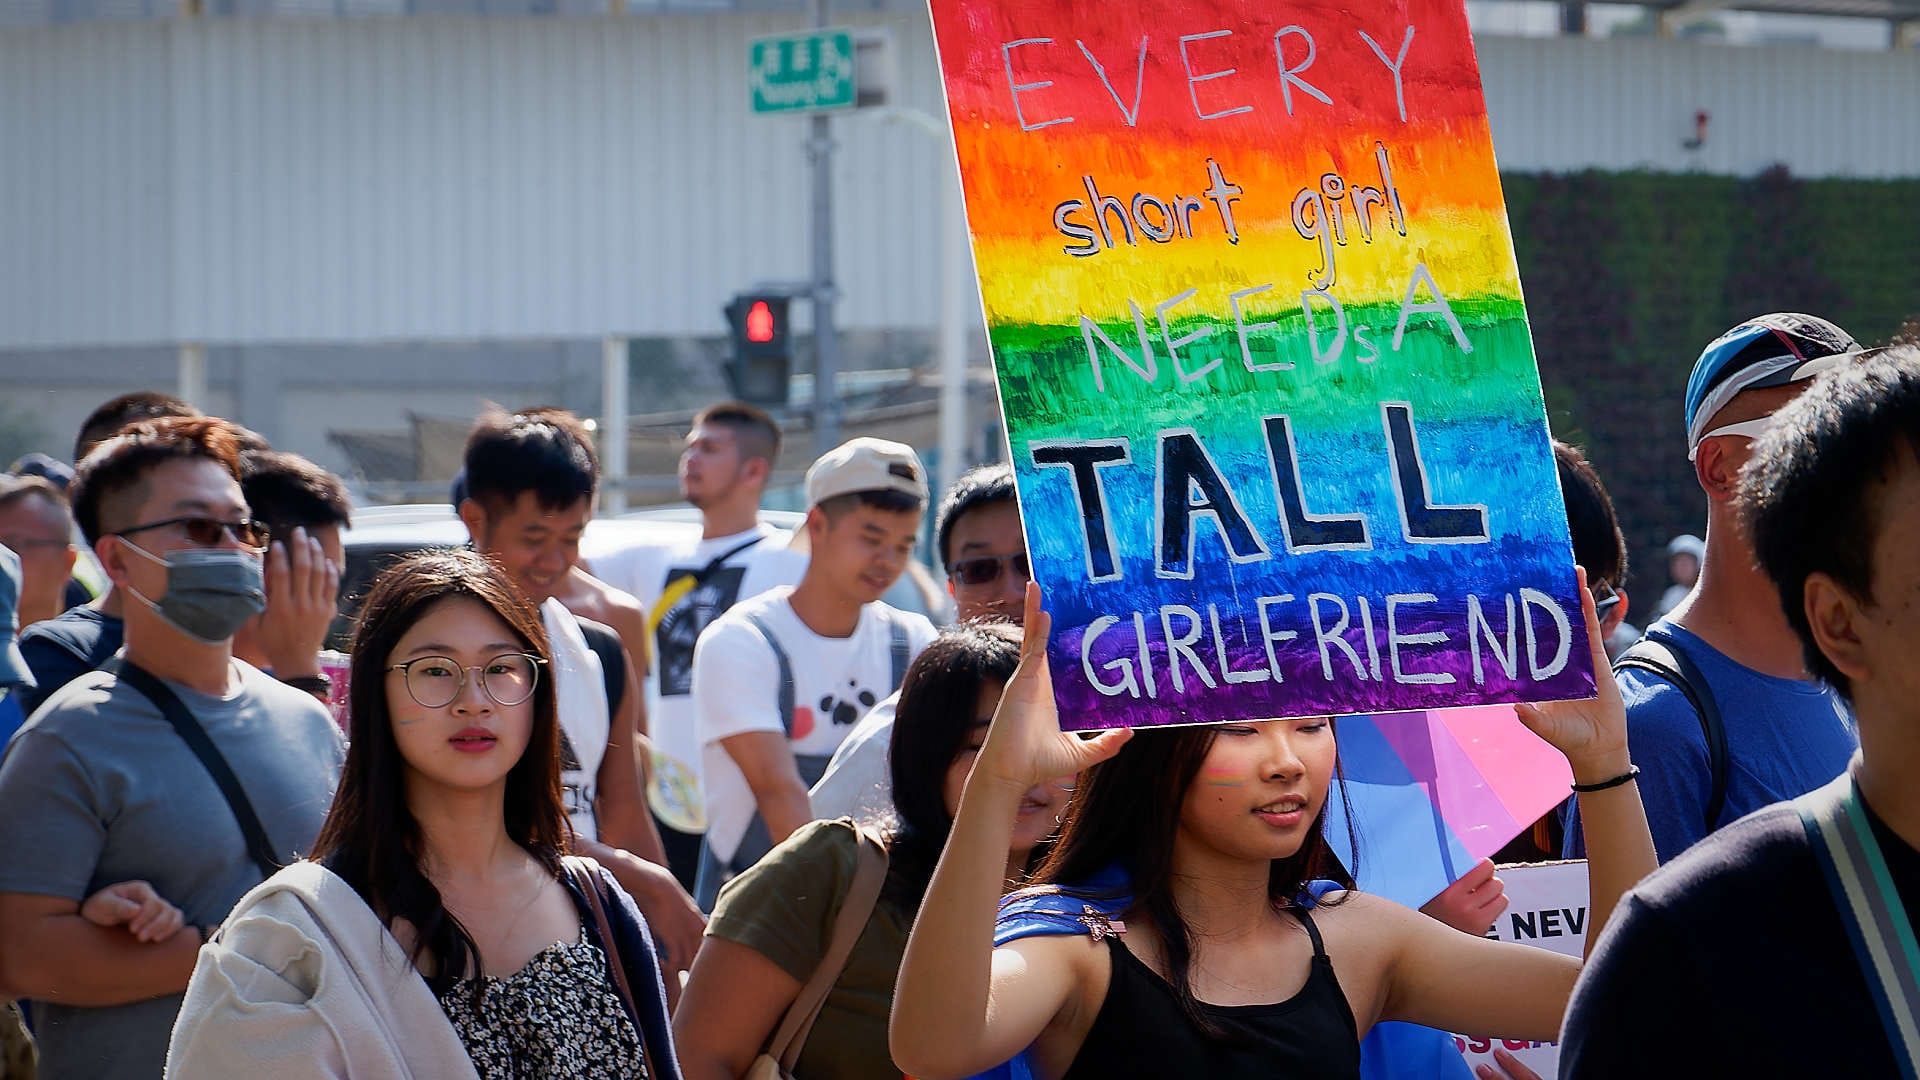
column 1262, row 356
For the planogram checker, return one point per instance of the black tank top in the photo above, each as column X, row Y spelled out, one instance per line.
column 1142, row 1031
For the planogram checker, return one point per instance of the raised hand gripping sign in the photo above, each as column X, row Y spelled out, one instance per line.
column 1263, row 358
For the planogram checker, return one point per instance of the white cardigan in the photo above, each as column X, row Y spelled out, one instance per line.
column 303, row 980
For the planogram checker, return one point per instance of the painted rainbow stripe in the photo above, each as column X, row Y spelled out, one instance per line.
column 1197, row 216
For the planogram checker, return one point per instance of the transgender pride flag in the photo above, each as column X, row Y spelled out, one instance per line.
column 1429, row 794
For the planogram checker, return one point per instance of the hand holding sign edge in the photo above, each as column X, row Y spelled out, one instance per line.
column 1025, row 745
column 1592, row 732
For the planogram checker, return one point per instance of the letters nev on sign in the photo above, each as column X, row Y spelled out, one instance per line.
column 1262, row 355
column 1547, row 909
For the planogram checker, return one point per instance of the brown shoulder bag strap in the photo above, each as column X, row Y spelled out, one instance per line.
column 584, row 874
column 870, row 871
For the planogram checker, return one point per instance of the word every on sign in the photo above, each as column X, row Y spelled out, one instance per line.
column 1293, row 50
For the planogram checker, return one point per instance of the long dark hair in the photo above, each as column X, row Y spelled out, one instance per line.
column 1126, row 810
column 936, row 711
column 370, row 837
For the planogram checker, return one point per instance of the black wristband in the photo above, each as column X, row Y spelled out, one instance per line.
column 1624, row 778
column 319, row 684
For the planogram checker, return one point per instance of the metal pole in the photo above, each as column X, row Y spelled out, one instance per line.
column 956, row 268
column 613, row 425
column 826, row 340
column 192, row 375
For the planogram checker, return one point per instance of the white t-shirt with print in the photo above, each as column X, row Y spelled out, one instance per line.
column 859, row 780
column 646, row 570
column 736, row 689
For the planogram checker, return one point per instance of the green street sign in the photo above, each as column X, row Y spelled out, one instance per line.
column 802, row 72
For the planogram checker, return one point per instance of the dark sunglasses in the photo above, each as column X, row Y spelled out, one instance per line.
column 206, row 531
column 1604, row 599
column 983, row 569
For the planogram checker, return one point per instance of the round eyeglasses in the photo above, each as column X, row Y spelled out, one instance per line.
column 436, row 681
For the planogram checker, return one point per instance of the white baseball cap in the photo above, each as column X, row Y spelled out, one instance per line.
column 866, row 464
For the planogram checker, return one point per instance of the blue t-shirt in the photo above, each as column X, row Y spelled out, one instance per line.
column 1785, row 737
column 10, row 718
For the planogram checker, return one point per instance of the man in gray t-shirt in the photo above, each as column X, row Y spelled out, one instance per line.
column 98, row 788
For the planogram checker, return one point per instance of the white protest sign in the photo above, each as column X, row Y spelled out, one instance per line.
column 1548, row 910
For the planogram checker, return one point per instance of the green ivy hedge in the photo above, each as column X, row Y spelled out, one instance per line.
column 1629, row 275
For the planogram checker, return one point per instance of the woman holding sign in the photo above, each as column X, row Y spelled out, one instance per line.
column 1188, row 931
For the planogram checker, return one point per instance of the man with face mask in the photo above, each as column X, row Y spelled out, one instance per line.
column 114, row 777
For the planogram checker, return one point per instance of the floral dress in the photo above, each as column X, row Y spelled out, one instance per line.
column 558, row 1017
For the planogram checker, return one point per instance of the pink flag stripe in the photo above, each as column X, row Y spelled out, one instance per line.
column 1472, row 810
column 1531, row 777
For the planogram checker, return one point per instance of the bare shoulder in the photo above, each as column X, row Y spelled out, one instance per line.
column 1074, row 962
column 1071, row 974
column 1074, row 951
column 1353, row 917
column 1364, row 935
column 589, row 597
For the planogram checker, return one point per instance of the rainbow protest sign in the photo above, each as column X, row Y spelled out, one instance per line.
column 1263, row 358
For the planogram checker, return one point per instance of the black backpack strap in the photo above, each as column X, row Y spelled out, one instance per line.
column 897, row 647
column 786, row 672
column 1659, row 655
column 196, row 738
column 701, row 575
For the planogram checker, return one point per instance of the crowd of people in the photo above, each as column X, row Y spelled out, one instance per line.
column 710, row 807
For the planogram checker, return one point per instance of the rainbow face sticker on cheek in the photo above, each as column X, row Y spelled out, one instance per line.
column 1215, row 776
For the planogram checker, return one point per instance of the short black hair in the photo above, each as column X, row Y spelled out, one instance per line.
column 1812, row 494
column 884, row 499
column 983, row 485
column 107, row 421
column 111, row 479
column 754, row 432
column 286, row 491
column 545, row 450
column 1598, row 543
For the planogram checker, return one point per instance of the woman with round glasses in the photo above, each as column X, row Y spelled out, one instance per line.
column 439, row 929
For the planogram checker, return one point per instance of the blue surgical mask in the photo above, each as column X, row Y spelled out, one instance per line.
column 211, row 592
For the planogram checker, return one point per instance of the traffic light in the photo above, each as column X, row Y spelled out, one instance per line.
column 762, row 348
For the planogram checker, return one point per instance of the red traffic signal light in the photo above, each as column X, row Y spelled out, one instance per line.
column 760, row 323
column 759, row 365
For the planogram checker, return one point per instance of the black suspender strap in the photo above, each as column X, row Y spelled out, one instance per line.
column 177, row 714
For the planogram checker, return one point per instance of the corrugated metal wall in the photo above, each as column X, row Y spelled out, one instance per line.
column 431, row 178
column 449, row 178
